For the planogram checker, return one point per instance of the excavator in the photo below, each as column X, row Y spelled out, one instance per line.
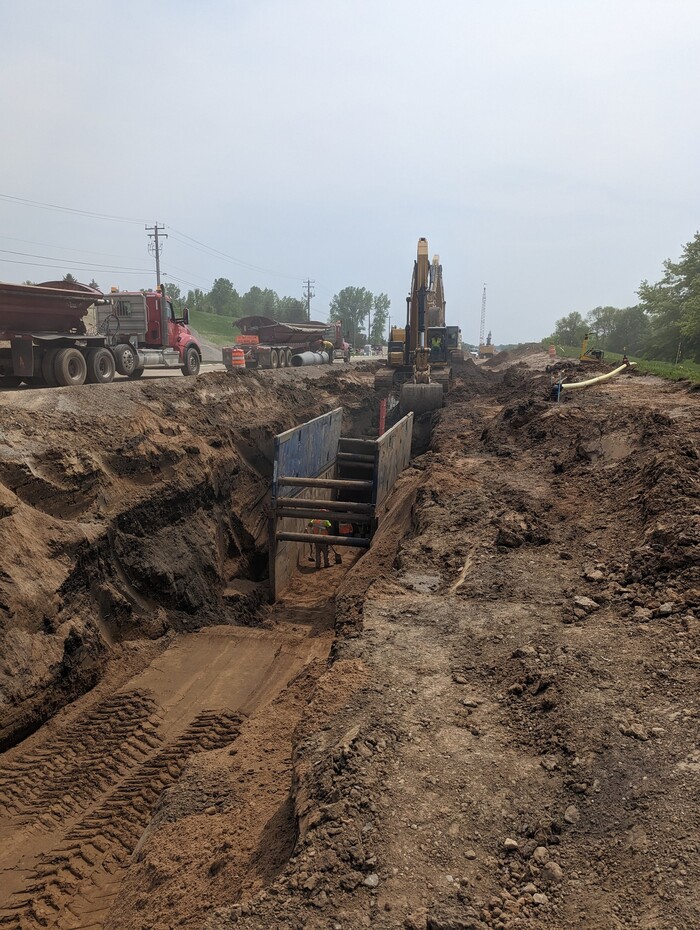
column 419, row 355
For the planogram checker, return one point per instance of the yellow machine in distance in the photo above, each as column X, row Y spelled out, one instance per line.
column 590, row 355
column 419, row 354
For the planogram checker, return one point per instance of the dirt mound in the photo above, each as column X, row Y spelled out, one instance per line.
column 529, row 353
column 518, row 756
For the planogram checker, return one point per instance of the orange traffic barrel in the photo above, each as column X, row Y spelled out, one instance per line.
column 237, row 358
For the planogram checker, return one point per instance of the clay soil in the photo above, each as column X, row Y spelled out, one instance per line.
column 488, row 720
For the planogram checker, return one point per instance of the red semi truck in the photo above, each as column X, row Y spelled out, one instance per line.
column 44, row 339
column 270, row 344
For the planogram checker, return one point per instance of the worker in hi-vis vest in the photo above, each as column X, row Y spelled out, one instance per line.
column 319, row 529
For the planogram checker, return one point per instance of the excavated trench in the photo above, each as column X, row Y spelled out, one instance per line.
column 148, row 691
column 140, row 655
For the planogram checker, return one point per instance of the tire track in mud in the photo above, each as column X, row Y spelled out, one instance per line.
column 74, row 884
column 49, row 784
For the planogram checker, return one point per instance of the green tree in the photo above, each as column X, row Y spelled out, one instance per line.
column 673, row 305
column 380, row 318
column 173, row 291
column 259, row 302
column 69, row 279
column 223, row 298
column 569, row 330
column 291, row 310
column 630, row 331
column 352, row 306
column 602, row 321
column 197, row 300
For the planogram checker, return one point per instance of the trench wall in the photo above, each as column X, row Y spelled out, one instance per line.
column 307, row 451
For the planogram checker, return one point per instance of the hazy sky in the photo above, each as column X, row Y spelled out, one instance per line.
column 546, row 147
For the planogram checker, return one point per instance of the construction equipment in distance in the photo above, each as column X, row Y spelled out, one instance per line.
column 419, row 355
column 487, row 349
column 590, row 355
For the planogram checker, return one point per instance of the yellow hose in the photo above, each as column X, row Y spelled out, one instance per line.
column 611, row 374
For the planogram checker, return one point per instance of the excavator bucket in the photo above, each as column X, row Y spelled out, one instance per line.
column 420, row 398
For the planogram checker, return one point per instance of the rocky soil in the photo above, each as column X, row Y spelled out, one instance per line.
column 505, row 731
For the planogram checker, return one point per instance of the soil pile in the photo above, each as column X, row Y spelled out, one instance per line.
column 521, row 752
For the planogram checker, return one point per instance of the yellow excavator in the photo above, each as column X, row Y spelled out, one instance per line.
column 419, row 354
column 589, row 354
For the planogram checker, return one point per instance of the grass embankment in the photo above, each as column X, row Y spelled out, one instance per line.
column 684, row 371
column 213, row 328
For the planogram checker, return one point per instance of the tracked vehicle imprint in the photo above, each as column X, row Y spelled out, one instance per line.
column 75, row 884
column 48, row 785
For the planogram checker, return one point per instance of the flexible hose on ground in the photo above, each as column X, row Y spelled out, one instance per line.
column 576, row 385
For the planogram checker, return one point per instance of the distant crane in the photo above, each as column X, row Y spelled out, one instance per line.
column 482, row 328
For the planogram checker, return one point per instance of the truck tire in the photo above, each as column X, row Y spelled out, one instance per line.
column 288, row 354
column 48, row 367
column 70, row 367
column 136, row 374
column 282, row 358
column 274, row 359
column 100, row 366
column 191, row 361
column 126, row 358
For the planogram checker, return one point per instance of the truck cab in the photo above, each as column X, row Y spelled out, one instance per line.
column 146, row 321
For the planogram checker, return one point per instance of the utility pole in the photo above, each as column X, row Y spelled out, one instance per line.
column 308, row 294
column 483, row 317
column 154, row 233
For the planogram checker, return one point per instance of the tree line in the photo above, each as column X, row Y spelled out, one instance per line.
column 664, row 325
column 224, row 300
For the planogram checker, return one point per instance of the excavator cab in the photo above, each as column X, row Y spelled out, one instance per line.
column 437, row 341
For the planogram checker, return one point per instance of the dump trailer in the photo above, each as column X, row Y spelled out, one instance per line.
column 44, row 339
column 268, row 343
column 419, row 354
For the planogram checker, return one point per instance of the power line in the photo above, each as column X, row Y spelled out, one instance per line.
column 186, row 240
column 53, row 206
column 15, row 261
column 57, row 258
column 64, row 248
column 231, row 258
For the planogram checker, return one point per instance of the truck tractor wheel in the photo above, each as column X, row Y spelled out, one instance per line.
column 274, row 359
column 100, row 366
column 191, row 362
column 288, row 354
column 126, row 358
column 48, row 367
column 70, row 367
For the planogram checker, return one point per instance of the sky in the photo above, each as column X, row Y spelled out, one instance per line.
column 545, row 148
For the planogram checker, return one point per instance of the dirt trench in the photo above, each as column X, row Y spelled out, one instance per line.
column 487, row 721
column 135, row 632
